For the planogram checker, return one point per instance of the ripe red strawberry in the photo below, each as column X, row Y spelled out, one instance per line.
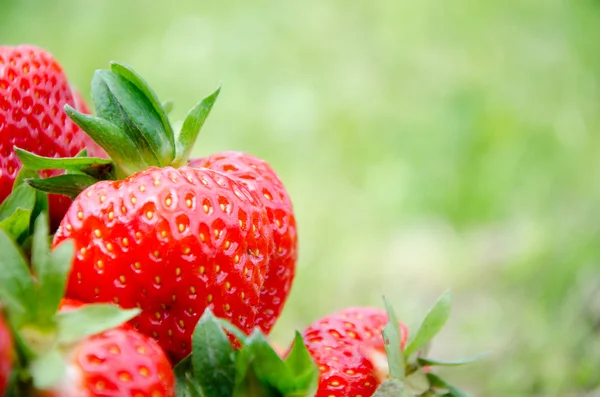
column 33, row 92
column 116, row 362
column 258, row 176
column 349, row 350
column 171, row 242
column 6, row 355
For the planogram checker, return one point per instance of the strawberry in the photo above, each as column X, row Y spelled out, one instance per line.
column 349, row 350
column 116, row 362
column 258, row 176
column 33, row 92
column 6, row 355
column 171, row 242
column 170, row 239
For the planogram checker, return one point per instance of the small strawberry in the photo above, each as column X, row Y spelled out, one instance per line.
column 365, row 351
column 258, row 176
column 67, row 348
column 6, row 355
column 116, row 362
column 170, row 239
column 348, row 348
column 33, row 92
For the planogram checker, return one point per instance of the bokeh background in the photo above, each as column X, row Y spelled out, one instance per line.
column 427, row 145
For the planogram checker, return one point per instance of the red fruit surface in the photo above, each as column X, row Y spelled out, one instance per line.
column 349, row 350
column 258, row 176
column 117, row 362
column 33, row 92
column 6, row 355
column 93, row 149
column 171, row 242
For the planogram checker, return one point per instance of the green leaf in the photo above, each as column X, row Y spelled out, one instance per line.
column 142, row 85
column 416, row 383
column 248, row 385
column 117, row 144
column 432, row 324
column 302, row 368
column 41, row 199
column 51, row 269
column 391, row 388
column 212, row 357
column 68, row 184
column 185, row 384
column 425, row 361
column 17, row 225
column 91, row 319
column 72, row 164
column 48, row 369
column 191, row 127
column 392, row 342
column 120, row 102
column 17, row 289
column 167, row 106
column 22, row 197
column 436, row 381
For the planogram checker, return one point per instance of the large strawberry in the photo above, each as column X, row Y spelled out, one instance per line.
column 6, row 355
column 258, row 176
column 33, row 92
column 361, row 351
column 81, row 349
column 165, row 237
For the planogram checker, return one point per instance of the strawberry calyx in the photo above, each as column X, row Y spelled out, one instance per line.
column 408, row 369
column 131, row 125
column 31, row 292
column 255, row 369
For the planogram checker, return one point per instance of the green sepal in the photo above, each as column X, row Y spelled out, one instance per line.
column 47, row 369
column 118, row 101
column 430, row 362
column 392, row 342
column 432, row 324
column 17, row 289
column 185, row 383
column 51, row 268
column 235, row 331
column 119, row 146
column 137, row 80
column 92, row 166
column 437, row 382
column 16, row 212
column 90, row 319
column 70, row 185
column 168, row 106
column 297, row 376
column 391, row 388
column 191, row 126
column 212, row 357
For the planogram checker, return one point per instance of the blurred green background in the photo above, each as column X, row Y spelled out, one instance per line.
column 426, row 145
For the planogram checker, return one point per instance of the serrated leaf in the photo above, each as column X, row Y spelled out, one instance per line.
column 432, row 324
column 212, row 357
column 17, row 289
column 192, row 124
column 73, row 164
column 185, row 384
column 391, row 388
column 51, row 269
column 392, row 342
column 436, row 381
column 91, row 319
column 47, row 370
column 302, row 367
column 68, row 184
column 426, row 361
